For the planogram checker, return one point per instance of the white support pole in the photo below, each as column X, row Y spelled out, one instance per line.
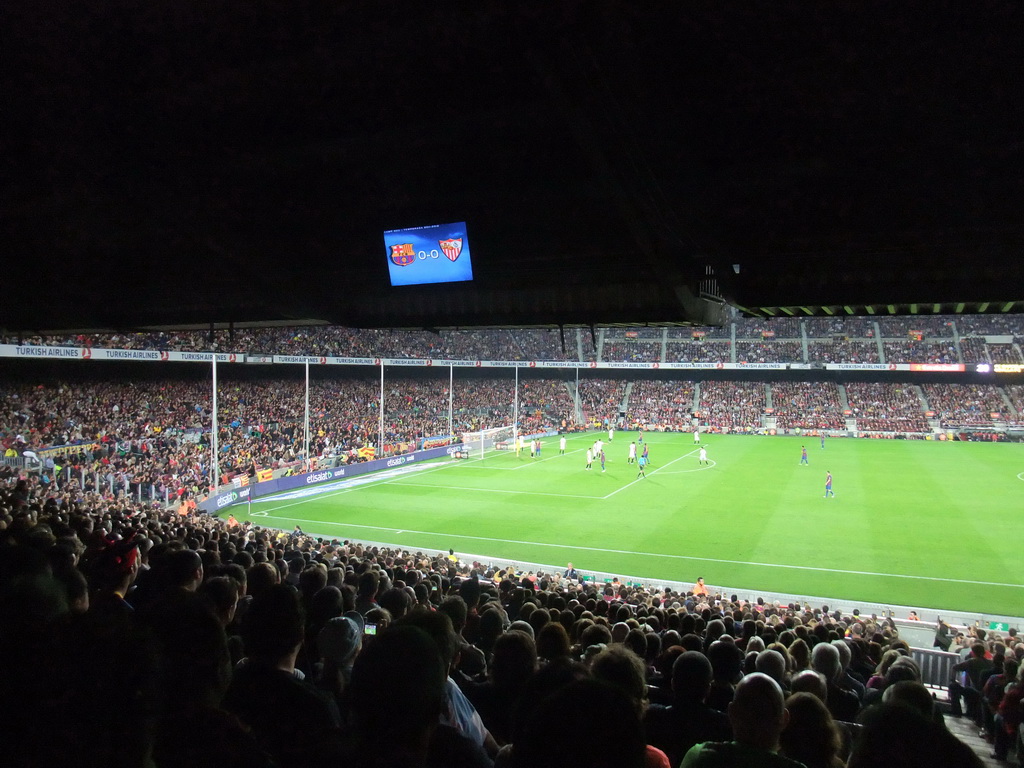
column 515, row 409
column 305, row 426
column 380, row 445
column 451, row 403
column 215, row 463
column 579, row 412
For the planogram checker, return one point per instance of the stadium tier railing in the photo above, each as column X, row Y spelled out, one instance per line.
column 936, row 666
column 164, row 356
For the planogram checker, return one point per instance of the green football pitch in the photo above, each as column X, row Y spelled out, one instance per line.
column 928, row 524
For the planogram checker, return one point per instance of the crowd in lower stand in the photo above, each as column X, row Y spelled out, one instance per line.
column 732, row 405
column 886, row 407
column 133, row 636
column 156, row 435
column 807, row 405
column 958, row 405
column 662, row 404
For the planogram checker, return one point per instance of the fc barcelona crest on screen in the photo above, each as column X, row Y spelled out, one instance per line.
column 403, row 254
column 452, row 247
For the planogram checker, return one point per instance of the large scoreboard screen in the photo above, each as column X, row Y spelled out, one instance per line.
column 438, row 253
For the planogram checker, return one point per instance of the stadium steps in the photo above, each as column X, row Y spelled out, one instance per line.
column 844, row 401
column 924, row 400
column 965, row 730
column 1006, row 399
column 878, row 341
column 574, row 393
column 664, row 345
column 624, row 406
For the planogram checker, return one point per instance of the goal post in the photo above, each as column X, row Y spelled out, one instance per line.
column 483, row 442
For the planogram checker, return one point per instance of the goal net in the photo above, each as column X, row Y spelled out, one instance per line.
column 478, row 444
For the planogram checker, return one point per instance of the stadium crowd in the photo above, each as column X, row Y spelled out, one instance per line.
column 631, row 351
column 138, row 637
column 1016, row 394
column 957, row 405
column 153, row 437
column 732, row 406
column 698, row 351
column 328, row 340
column 886, row 407
column 931, row 327
column 974, row 350
column 769, row 352
column 911, row 351
column 807, row 405
column 601, row 399
column 657, row 404
column 849, row 327
column 841, row 351
column 777, row 327
column 539, row 344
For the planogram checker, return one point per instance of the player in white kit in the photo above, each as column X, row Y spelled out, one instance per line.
column 632, row 453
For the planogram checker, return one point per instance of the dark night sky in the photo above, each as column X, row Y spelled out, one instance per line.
column 179, row 161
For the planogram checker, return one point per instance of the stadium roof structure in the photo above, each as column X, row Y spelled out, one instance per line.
column 183, row 162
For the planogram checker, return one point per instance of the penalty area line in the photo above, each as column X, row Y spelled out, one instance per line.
column 653, row 472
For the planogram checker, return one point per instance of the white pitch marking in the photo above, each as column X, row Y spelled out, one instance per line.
column 653, row 471
column 658, row 554
column 497, row 490
column 699, row 469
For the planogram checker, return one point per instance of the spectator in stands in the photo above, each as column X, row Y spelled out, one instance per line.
column 841, row 703
column 688, row 720
column 811, row 736
column 622, row 668
column 898, row 736
column 561, row 730
column 966, row 684
column 304, row 723
column 758, row 716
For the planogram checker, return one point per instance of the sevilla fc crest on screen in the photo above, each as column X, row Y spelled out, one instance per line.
column 452, row 247
column 402, row 254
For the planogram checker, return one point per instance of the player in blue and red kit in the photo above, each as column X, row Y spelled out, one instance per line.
column 828, row 485
column 803, row 455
